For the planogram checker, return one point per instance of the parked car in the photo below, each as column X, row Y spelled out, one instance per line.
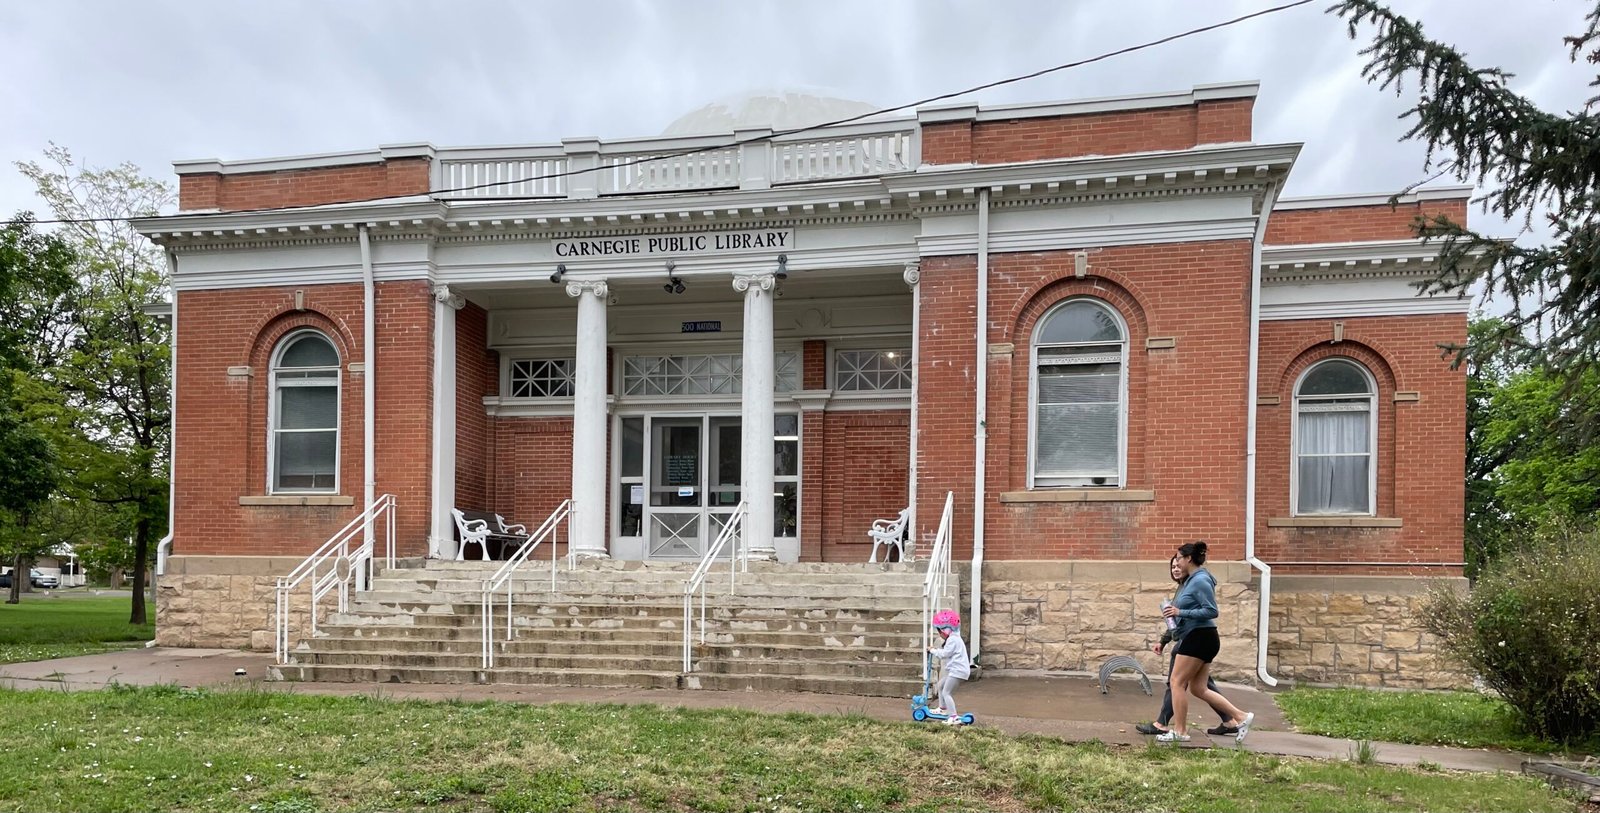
column 43, row 581
column 5, row 579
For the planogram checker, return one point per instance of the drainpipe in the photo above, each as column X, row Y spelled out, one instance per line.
column 368, row 390
column 980, row 455
column 1267, row 202
column 913, row 278
column 164, row 547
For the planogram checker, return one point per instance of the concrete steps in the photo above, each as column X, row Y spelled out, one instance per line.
column 851, row 629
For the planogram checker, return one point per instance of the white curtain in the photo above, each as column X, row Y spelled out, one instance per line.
column 1335, row 457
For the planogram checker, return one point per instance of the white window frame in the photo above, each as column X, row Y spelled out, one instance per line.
column 272, row 411
column 836, row 370
column 1033, row 400
column 1372, row 440
column 511, row 366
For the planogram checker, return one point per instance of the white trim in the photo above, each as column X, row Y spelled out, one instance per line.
column 1103, row 104
column 1373, row 199
column 337, row 380
column 1417, row 306
column 1122, row 395
column 203, row 166
column 1091, row 237
column 1249, row 162
column 1372, row 440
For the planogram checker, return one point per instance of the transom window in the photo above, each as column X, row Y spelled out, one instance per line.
column 304, row 451
column 1335, row 431
column 872, row 370
column 702, row 374
column 1079, row 396
column 541, row 378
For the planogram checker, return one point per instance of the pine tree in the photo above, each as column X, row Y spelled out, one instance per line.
column 1531, row 161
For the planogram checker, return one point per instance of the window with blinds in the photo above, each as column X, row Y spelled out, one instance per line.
column 1079, row 354
column 304, row 453
column 1335, row 431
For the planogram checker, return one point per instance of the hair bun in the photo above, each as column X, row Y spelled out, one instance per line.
column 1200, row 546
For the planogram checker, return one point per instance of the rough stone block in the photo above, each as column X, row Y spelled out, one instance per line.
column 1401, row 640
column 1383, row 661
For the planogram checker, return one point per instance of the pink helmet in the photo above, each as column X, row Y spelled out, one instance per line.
column 947, row 619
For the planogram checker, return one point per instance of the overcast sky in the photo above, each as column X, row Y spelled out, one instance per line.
column 152, row 82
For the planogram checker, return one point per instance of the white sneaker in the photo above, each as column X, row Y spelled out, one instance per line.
column 1171, row 736
column 936, row 710
column 953, row 719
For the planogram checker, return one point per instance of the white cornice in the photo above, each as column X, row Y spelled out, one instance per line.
column 205, row 166
column 1077, row 107
column 1350, row 309
column 1336, row 201
column 316, row 221
column 1148, row 169
column 1331, row 261
column 1091, row 237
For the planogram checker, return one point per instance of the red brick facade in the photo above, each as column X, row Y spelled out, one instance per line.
column 226, row 340
column 303, row 187
column 1348, row 224
column 477, row 375
column 1421, row 443
column 1110, row 133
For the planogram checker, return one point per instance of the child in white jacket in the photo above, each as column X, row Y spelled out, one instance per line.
column 952, row 653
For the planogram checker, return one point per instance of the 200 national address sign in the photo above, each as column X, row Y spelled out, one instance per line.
column 676, row 245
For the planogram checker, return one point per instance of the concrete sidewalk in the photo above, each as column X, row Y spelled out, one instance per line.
column 1066, row 708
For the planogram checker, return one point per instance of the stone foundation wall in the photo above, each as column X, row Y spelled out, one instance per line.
column 1358, row 630
column 1072, row 616
column 1345, row 630
column 224, row 601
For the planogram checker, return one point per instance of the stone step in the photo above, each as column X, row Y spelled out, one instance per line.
column 603, row 679
column 899, row 651
column 457, row 615
column 447, row 637
column 465, row 589
column 535, row 563
column 709, row 659
column 717, row 584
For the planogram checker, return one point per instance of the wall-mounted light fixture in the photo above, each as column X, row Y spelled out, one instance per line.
column 783, row 267
column 561, row 271
column 674, row 283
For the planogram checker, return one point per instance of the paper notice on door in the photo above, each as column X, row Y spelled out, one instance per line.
column 686, row 491
column 636, row 494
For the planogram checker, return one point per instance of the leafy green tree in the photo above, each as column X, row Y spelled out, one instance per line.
column 118, row 371
column 35, row 288
column 1532, row 161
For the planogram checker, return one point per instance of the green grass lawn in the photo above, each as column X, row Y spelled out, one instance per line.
column 247, row 750
column 1422, row 718
column 44, row 627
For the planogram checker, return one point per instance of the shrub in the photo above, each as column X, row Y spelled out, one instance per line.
column 1529, row 628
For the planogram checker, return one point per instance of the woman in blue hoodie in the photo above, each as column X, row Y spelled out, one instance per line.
column 1195, row 608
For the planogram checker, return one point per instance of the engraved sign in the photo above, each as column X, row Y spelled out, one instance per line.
column 708, row 243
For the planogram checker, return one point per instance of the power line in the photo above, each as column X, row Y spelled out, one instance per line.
column 738, row 142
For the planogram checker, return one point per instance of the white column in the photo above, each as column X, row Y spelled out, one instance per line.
column 755, row 436
column 588, row 522
column 441, row 538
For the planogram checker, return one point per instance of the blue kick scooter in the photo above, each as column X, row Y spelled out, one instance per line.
column 919, row 703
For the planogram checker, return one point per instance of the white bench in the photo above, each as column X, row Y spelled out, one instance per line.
column 890, row 532
column 482, row 528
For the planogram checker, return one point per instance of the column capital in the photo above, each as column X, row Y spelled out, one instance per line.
column 912, row 273
column 577, row 288
column 762, row 281
column 441, row 293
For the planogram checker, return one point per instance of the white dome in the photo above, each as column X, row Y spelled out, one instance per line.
column 779, row 109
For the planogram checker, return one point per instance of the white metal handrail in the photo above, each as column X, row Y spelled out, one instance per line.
column 738, row 560
column 343, row 560
column 935, row 583
column 503, row 576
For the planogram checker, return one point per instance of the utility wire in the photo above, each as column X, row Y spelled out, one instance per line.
column 737, row 142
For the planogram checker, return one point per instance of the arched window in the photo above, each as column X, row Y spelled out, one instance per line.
column 1079, row 394
column 1335, row 432
column 304, row 447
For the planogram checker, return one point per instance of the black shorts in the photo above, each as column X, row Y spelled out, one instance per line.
column 1202, row 643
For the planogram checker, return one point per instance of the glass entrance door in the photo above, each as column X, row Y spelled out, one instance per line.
column 676, row 485
column 679, row 481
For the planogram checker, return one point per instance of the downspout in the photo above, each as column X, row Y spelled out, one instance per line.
column 368, row 388
column 1267, row 203
column 981, row 452
column 913, row 277
column 164, row 547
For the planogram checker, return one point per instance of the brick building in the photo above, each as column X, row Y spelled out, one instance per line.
column 1094, row 325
